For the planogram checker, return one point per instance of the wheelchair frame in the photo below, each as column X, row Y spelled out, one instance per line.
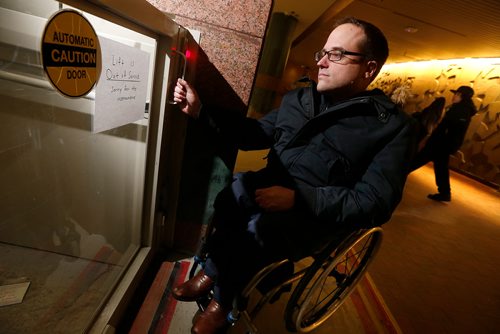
column 320, row 288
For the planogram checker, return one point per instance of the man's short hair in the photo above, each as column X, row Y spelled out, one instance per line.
column 376, row 46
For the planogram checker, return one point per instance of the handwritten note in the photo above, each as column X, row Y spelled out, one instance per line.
column 121, row 91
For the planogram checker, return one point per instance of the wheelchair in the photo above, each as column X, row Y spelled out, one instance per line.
column 318, row 286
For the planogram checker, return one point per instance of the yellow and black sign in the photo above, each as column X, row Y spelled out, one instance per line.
column 70, row 53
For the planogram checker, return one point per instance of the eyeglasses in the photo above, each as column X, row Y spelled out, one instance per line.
column 335, row 54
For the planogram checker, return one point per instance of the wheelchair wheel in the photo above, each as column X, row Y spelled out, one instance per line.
column 330, row 279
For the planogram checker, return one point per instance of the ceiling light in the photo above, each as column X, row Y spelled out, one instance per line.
column 411, row 30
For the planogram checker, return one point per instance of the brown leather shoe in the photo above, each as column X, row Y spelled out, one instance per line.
column 193, row 289
column 212, row 320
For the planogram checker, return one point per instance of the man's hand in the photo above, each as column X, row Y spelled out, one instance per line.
column 187, row 98
column 275, row 198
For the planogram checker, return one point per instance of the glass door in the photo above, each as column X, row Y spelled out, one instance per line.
column 71, row 199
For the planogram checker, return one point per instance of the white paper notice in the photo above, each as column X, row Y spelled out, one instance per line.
column 122, row 87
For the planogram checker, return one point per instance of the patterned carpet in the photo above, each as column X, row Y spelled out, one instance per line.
column 363, row 312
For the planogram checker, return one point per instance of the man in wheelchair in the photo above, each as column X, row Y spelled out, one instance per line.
column 339, row 156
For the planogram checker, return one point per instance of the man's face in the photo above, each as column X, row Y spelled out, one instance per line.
column 349, row 75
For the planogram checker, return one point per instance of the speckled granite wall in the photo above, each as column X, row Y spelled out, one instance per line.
column 232, row 33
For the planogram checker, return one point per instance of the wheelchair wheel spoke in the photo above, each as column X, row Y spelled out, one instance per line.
column 322, row 296
column 335, row 275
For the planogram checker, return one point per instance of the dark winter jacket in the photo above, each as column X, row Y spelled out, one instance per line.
column 450, row 133
column 348, row 162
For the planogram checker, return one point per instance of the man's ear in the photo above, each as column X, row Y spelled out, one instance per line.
column 371, row 69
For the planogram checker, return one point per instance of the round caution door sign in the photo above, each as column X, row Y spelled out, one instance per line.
column 71, row 53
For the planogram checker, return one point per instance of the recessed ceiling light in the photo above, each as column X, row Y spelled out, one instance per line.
column 411, row 30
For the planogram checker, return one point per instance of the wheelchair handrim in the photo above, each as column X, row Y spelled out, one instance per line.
column 347, row 287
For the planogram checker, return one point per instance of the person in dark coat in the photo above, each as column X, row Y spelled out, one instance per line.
column 339, row 156
column 428, row 119
column 446, row 139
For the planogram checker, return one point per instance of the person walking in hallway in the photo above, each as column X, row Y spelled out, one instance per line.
column 339, row 156
column 446, row 139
